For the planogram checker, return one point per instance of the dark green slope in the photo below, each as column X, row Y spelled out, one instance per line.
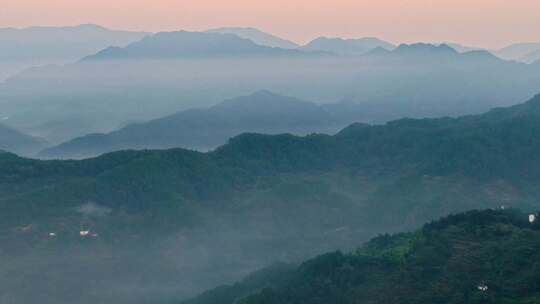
column 497, row 149
column 447, row 261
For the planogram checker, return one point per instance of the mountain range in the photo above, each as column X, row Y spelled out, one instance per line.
column 184, row 44
column 256, row 200
column 348, row 47
column 463, row 48
column 424, row 53
column 475, row 257
column 257, row 36
column 206, row 129
column 181, row 70
column 27, row 47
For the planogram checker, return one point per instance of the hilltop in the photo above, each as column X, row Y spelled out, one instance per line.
column 257, row 36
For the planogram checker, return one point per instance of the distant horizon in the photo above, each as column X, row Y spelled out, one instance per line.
column 397, row 43
column 483, row 23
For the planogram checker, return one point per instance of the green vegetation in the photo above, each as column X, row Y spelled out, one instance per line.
column 427, row 168
column 257, row 200
column 474, row 257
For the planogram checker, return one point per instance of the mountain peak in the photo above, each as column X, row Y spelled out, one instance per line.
column 262, row 100
column 425, row 47
column 257, row 36
column 264, row 93
column 481, row 54
column 184, row 44
column 344, row 46
column 91, row 26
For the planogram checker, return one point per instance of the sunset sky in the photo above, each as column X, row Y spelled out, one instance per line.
column 488, row 23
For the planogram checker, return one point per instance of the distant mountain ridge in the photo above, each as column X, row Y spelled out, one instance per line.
column 180, row 70
column 425, row 53
column 346, row 46
column 257, row 36
column 463, row 48
column 417, row 49
column 331, row 116
column 14, row 141
column 205, row 129
column 26, row 47
column 72, row 42
column 183, row 44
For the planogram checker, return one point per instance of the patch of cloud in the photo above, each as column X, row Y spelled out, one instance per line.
column 93, row 209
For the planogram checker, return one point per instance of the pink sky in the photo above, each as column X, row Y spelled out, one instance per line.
column 490, row 23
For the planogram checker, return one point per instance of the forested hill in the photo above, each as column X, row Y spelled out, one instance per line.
column 498, row 148
column 254, row 201
column 475, row 257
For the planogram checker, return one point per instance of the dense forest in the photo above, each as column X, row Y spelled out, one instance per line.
column 474, row 257
column 494, row 149
column 256, row 200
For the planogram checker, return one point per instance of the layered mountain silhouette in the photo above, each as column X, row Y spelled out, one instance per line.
column 463, row 48
column 205, row 129
column 26, row 47
column 191, row 45
column 405, row 51
column 517, row 51
column 425, row 53
column 256, row 200
column 475, row 257
column 257, row 36
column 348, row 47
column 182, row 70
column 14, row 141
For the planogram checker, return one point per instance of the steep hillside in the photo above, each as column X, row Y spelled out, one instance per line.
column 257, row 36
column 475, row 257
